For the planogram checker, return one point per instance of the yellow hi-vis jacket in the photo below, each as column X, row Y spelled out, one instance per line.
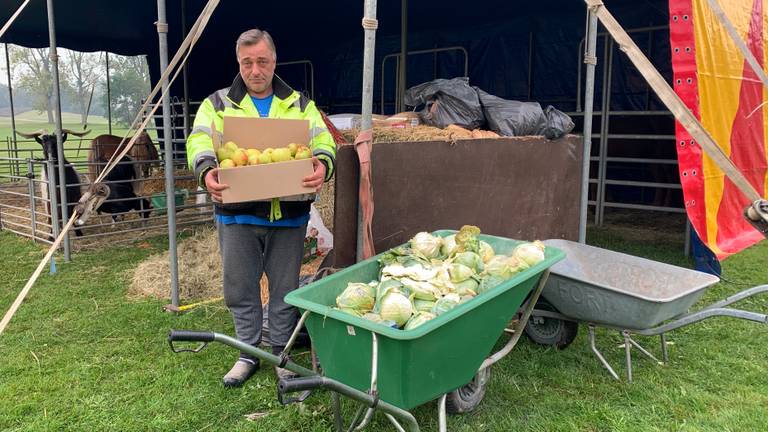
column 235, row 101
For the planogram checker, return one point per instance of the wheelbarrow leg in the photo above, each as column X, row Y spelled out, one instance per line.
column 628, row 353
column 338, row 422
column 664, row 352
column 591, row 328
column 441, row 420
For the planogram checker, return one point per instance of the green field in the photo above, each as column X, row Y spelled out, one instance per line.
column 81, row 356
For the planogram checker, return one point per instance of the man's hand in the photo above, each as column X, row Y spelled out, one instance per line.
column 316, row 179
column 213, row 185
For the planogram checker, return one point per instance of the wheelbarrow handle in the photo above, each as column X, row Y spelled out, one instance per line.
column 291, row 385
column 190, row 336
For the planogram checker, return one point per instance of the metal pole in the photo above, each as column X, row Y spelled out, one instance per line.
column 31, row 188
column 10, row 99
column 403, row 71
column 605, row 118
column 57, row 113
column 109, row 97
column 590, row 59
column 187, row 117
column 369, row 24
column 170, row 196
column 53, row 197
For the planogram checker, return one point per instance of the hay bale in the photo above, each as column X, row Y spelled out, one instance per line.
column 200, row 275
column 156, row 184
column 451, row 133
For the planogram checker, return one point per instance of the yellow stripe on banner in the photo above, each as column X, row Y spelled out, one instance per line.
column 720, row 67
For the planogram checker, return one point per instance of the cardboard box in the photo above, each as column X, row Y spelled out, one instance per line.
column 274, row 180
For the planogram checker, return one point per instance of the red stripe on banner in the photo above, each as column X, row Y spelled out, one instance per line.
column 747, row 148
column 683, row 49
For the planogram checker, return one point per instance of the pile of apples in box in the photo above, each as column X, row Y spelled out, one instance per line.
column 230, row 155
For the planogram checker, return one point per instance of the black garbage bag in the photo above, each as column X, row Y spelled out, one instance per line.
column 558, row 123
column 447, row 101
column 512, row 118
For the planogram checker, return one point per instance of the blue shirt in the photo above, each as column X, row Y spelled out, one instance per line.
column 262, row 106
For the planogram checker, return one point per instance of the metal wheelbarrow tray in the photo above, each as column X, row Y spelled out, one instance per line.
column 632, row 294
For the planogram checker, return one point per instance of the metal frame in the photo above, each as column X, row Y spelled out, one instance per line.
column 399, row 64
column 311, row 81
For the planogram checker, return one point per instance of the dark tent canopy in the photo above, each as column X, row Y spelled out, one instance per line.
column 516, row 50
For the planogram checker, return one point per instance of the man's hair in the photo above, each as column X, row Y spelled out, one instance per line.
column 254, row 36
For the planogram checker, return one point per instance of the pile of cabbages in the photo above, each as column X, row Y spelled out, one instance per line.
column 431, row 275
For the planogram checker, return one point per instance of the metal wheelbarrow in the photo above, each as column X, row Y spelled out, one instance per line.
column 634, row 295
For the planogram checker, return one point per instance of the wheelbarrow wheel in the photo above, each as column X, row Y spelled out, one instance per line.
column 550, row 331
column 468, row 397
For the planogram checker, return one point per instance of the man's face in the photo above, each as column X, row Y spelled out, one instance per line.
column 257, row 67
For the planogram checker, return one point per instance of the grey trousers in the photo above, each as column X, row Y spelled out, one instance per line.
column 246, row 252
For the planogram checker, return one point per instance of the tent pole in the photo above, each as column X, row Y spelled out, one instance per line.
column 109, row 95
column 184, row 30
column 53, row 55
column 590, row 59
column 10, row 100
column 403, row 70
column 369, row 24
column 170, row 195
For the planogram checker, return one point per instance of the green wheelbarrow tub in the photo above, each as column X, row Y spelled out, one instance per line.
column 418, row 365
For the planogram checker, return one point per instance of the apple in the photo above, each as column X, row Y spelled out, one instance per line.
column 223, row 153
column 226, row 163
column 293, row 147
column 303, row 152
column 231, row 146
column 268, row 150
column 240, row 157
column 281, row 154
column 265, row 158
column 253, row 159
column 252, row 152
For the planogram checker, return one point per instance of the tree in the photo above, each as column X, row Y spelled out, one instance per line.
column 32, row 66
column 129, row 85
column 82, row 73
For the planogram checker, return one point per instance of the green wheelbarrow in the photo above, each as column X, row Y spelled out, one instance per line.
column 390, row 370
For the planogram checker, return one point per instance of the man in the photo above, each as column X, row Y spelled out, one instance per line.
column 259, row 236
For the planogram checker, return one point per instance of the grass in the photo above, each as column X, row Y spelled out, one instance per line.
column 79, row 356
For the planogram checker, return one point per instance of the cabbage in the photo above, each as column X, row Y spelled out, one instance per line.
column 449, row 245
column 370, row 316
column 354, row 312
column 422, row 290
column 423, row 305
column 418, row 319
column 446, row 303
column 426, row 244
column 516, row 265
column 459, row 272
column 466, row 239
column 384, row 287
column 486, row 251
column 468, row 286
column 357, row 296
column 488, row 282
column 471, row 260
column 530, row 253
column 395, row 307
column 499, row 266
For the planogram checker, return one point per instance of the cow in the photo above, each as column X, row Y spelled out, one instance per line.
column 71, row 177
column 104, row 146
